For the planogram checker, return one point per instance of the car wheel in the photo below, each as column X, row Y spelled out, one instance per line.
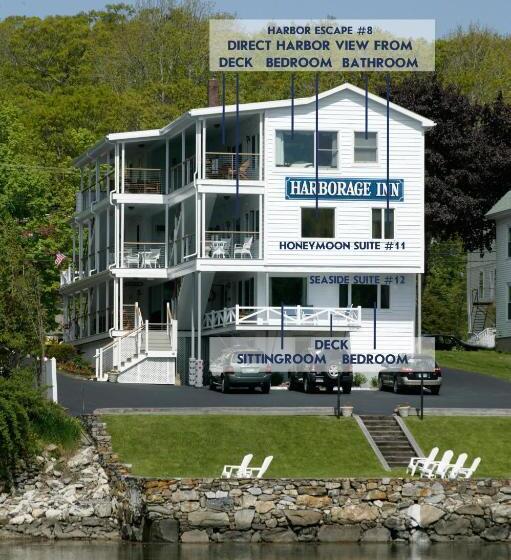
column 225, row 384
column 395, row 386
column 381, row 387
column 265, row 388
column 346, row 388
column 292, row 384
column 308, row 387
column 212, row 385
column 435, row 390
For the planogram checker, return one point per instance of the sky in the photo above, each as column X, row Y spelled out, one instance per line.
column 449, row 14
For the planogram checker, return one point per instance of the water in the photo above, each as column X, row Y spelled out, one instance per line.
column 127, row 551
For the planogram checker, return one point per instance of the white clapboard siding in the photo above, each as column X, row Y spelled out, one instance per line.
column 345, row 112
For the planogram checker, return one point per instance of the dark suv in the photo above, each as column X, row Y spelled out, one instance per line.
column 323, row 375
column 227, row 372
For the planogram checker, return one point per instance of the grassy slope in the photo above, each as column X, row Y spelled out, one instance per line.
column 497, row 364
column 302, row 446
column 487, row 438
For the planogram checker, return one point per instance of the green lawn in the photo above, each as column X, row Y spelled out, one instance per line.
column 483, row 437
column 302, row 446
column 497, row 364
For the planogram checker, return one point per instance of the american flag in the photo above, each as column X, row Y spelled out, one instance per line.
column 59, row 257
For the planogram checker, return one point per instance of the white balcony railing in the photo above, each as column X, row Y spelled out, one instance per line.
column 181, row 174
column 144, row 180
column 291, row 317
column 144, row 255
column 222, row 165
column 231, row 245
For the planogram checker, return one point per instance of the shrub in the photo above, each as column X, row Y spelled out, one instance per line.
column 359, row 379
column 374, row 382
column 63, row 352
column 28, row 420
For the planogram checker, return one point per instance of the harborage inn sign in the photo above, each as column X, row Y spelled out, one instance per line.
column 305, row 188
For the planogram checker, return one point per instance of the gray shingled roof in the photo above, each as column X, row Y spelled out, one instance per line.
column 503, row 205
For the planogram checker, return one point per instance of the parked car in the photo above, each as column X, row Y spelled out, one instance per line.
column 226, row 372
column 419, row 368
column 323, row 375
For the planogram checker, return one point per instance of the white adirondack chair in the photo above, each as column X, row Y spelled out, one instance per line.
column 436, row 468
column 238, row 471
column 259, row 471
column 416, row 462
column 452, row 470
column 244, row 249
column 467, row 473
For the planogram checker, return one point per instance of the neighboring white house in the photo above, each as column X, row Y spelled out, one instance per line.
column 176, row 225
column 501, row 213
column 481, row 267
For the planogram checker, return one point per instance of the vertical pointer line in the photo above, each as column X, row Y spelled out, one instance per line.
column 237, row 163
column 331, row 325
column 367, row 101
column 387, row 79
column 292, row 105
column 374, row 326
column 223, row 109
column 282, row 325
column 316, row 144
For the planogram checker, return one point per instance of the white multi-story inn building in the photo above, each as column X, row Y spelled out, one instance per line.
column 177, row 226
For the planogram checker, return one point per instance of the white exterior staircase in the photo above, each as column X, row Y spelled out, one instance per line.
column 145, row 354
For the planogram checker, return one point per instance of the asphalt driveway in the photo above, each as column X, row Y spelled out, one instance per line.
column 460, row 390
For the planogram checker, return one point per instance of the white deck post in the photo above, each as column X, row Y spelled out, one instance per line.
column 419, row 312
column 199, row 315
column 261, row 145
column 147, row 336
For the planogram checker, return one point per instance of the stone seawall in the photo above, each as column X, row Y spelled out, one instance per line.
column 289, row 510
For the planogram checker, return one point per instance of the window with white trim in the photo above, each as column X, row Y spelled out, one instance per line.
column 382, row 223
column 364, row 295
column 366, row 149
column 298, row 149
column 509, row 302
column 509, row 242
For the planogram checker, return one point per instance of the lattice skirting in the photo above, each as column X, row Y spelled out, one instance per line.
column 155, row 371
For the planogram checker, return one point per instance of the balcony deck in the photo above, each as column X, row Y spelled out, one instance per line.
column 291, row 318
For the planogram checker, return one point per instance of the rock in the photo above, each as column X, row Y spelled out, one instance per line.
column 53, row 514
column 420, row 538
column 354, row 513
column 376, row 535
column 163, row 530
column 470, row 509
column 424, row 515
column 506, row 489
column 375, row 495
column 248, row 501
column 395, row 523
column 255, row 491
column 195, row 536
column 303, row 518
column 18, row 520
column 243, row 518
column 312, row 490
column 82, row 458
column 264, row 507
column 278, row 536
column 187, row 507
column 313, row 501
column 339, row 533
column 103, row 509
column 453, row 526
column 501, row 513
column 219, row 504
column 208, row 519
column 77, row 511
column 496, row 533
column 185, row 496
column 478, row 524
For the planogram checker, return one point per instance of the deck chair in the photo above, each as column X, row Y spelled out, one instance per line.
column 466, row 473
column 452, row 470
column 245, row 249
column 132, row 258
column 415, row 462
column 437, row 468
column 152, row 258
column 242, row 170
column 259, row 471
column 238, row 471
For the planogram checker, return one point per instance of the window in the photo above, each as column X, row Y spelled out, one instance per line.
column 481, row 284
column 509, row 242
column 327, row 149
column 318, row 222
column 343, row 295
column 385, row 297
column 288, row 290
column 383, row 221
column 365, row 295
column 509, row 302
column 365, row 148
column 297, row 150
